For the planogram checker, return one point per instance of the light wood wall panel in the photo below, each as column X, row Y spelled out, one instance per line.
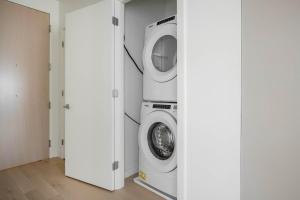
column 24, row 85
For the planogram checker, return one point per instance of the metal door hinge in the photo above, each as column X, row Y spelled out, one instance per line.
column 49, row 105
column 115, row 93
column 115, row 21
column 49, row 66
column 49, row 143
column 49, row 28
column 63, row 44
column 62, row 142
column 62, row 93
column 67, row 106
column 115, row 165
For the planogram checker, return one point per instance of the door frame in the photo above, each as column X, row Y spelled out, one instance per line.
column 181, row 102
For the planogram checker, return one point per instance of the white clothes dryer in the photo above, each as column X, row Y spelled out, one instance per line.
column 157, row 149
column 160, row 61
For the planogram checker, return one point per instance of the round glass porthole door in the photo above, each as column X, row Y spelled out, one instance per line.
column 161, row 141
column 164, row 53
column 160, row 53
column 157, row 140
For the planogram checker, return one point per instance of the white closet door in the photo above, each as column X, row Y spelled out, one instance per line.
column 93, row 113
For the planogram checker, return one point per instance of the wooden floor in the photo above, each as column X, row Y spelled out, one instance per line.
column 45, row 180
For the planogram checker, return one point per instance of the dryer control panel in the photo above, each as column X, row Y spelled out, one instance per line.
column 165, row 20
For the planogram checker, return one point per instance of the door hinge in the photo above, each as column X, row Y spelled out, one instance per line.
column 49, row 143
column 67, row 106
column 115, row 21
column 49, row 28
column 62, row 93
column 63, row 44
column 49, row 105
column 115, row 93
column 115, row 165
column 62, row 142
column 49, row 66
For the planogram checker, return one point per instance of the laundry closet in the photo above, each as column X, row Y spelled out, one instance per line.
column 143, row 84
column 128, row 91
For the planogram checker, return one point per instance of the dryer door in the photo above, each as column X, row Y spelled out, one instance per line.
column 160, row 53
column 157, row 140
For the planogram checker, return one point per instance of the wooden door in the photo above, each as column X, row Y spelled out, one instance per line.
column 24, row 85
column 94, row 131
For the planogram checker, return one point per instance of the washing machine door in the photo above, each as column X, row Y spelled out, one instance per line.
column 160, row 53
column 157, row 140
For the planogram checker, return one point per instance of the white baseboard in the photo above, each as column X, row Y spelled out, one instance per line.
column 138, row 181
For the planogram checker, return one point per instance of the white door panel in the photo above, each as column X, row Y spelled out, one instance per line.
column 90, row 80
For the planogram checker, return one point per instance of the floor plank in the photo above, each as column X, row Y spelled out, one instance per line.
column 8, row 189
column 21, row 181
column 45, row 180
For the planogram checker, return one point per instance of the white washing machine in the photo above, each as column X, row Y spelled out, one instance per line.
column 160, row 61
column 157, row 149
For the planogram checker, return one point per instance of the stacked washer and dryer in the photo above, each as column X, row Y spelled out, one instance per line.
column 158, row 129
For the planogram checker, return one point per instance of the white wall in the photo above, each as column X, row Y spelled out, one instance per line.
column 171, row 8
column 52, row 7
column 138, row 14
column 271, row 100
column 70, row 5
column 209, row 99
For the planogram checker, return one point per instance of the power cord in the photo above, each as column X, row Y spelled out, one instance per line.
column 127, row 115
column 132, row 59
column 139, row 69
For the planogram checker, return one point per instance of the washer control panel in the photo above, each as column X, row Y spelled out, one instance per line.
column 148, row 107
column 161, row 106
